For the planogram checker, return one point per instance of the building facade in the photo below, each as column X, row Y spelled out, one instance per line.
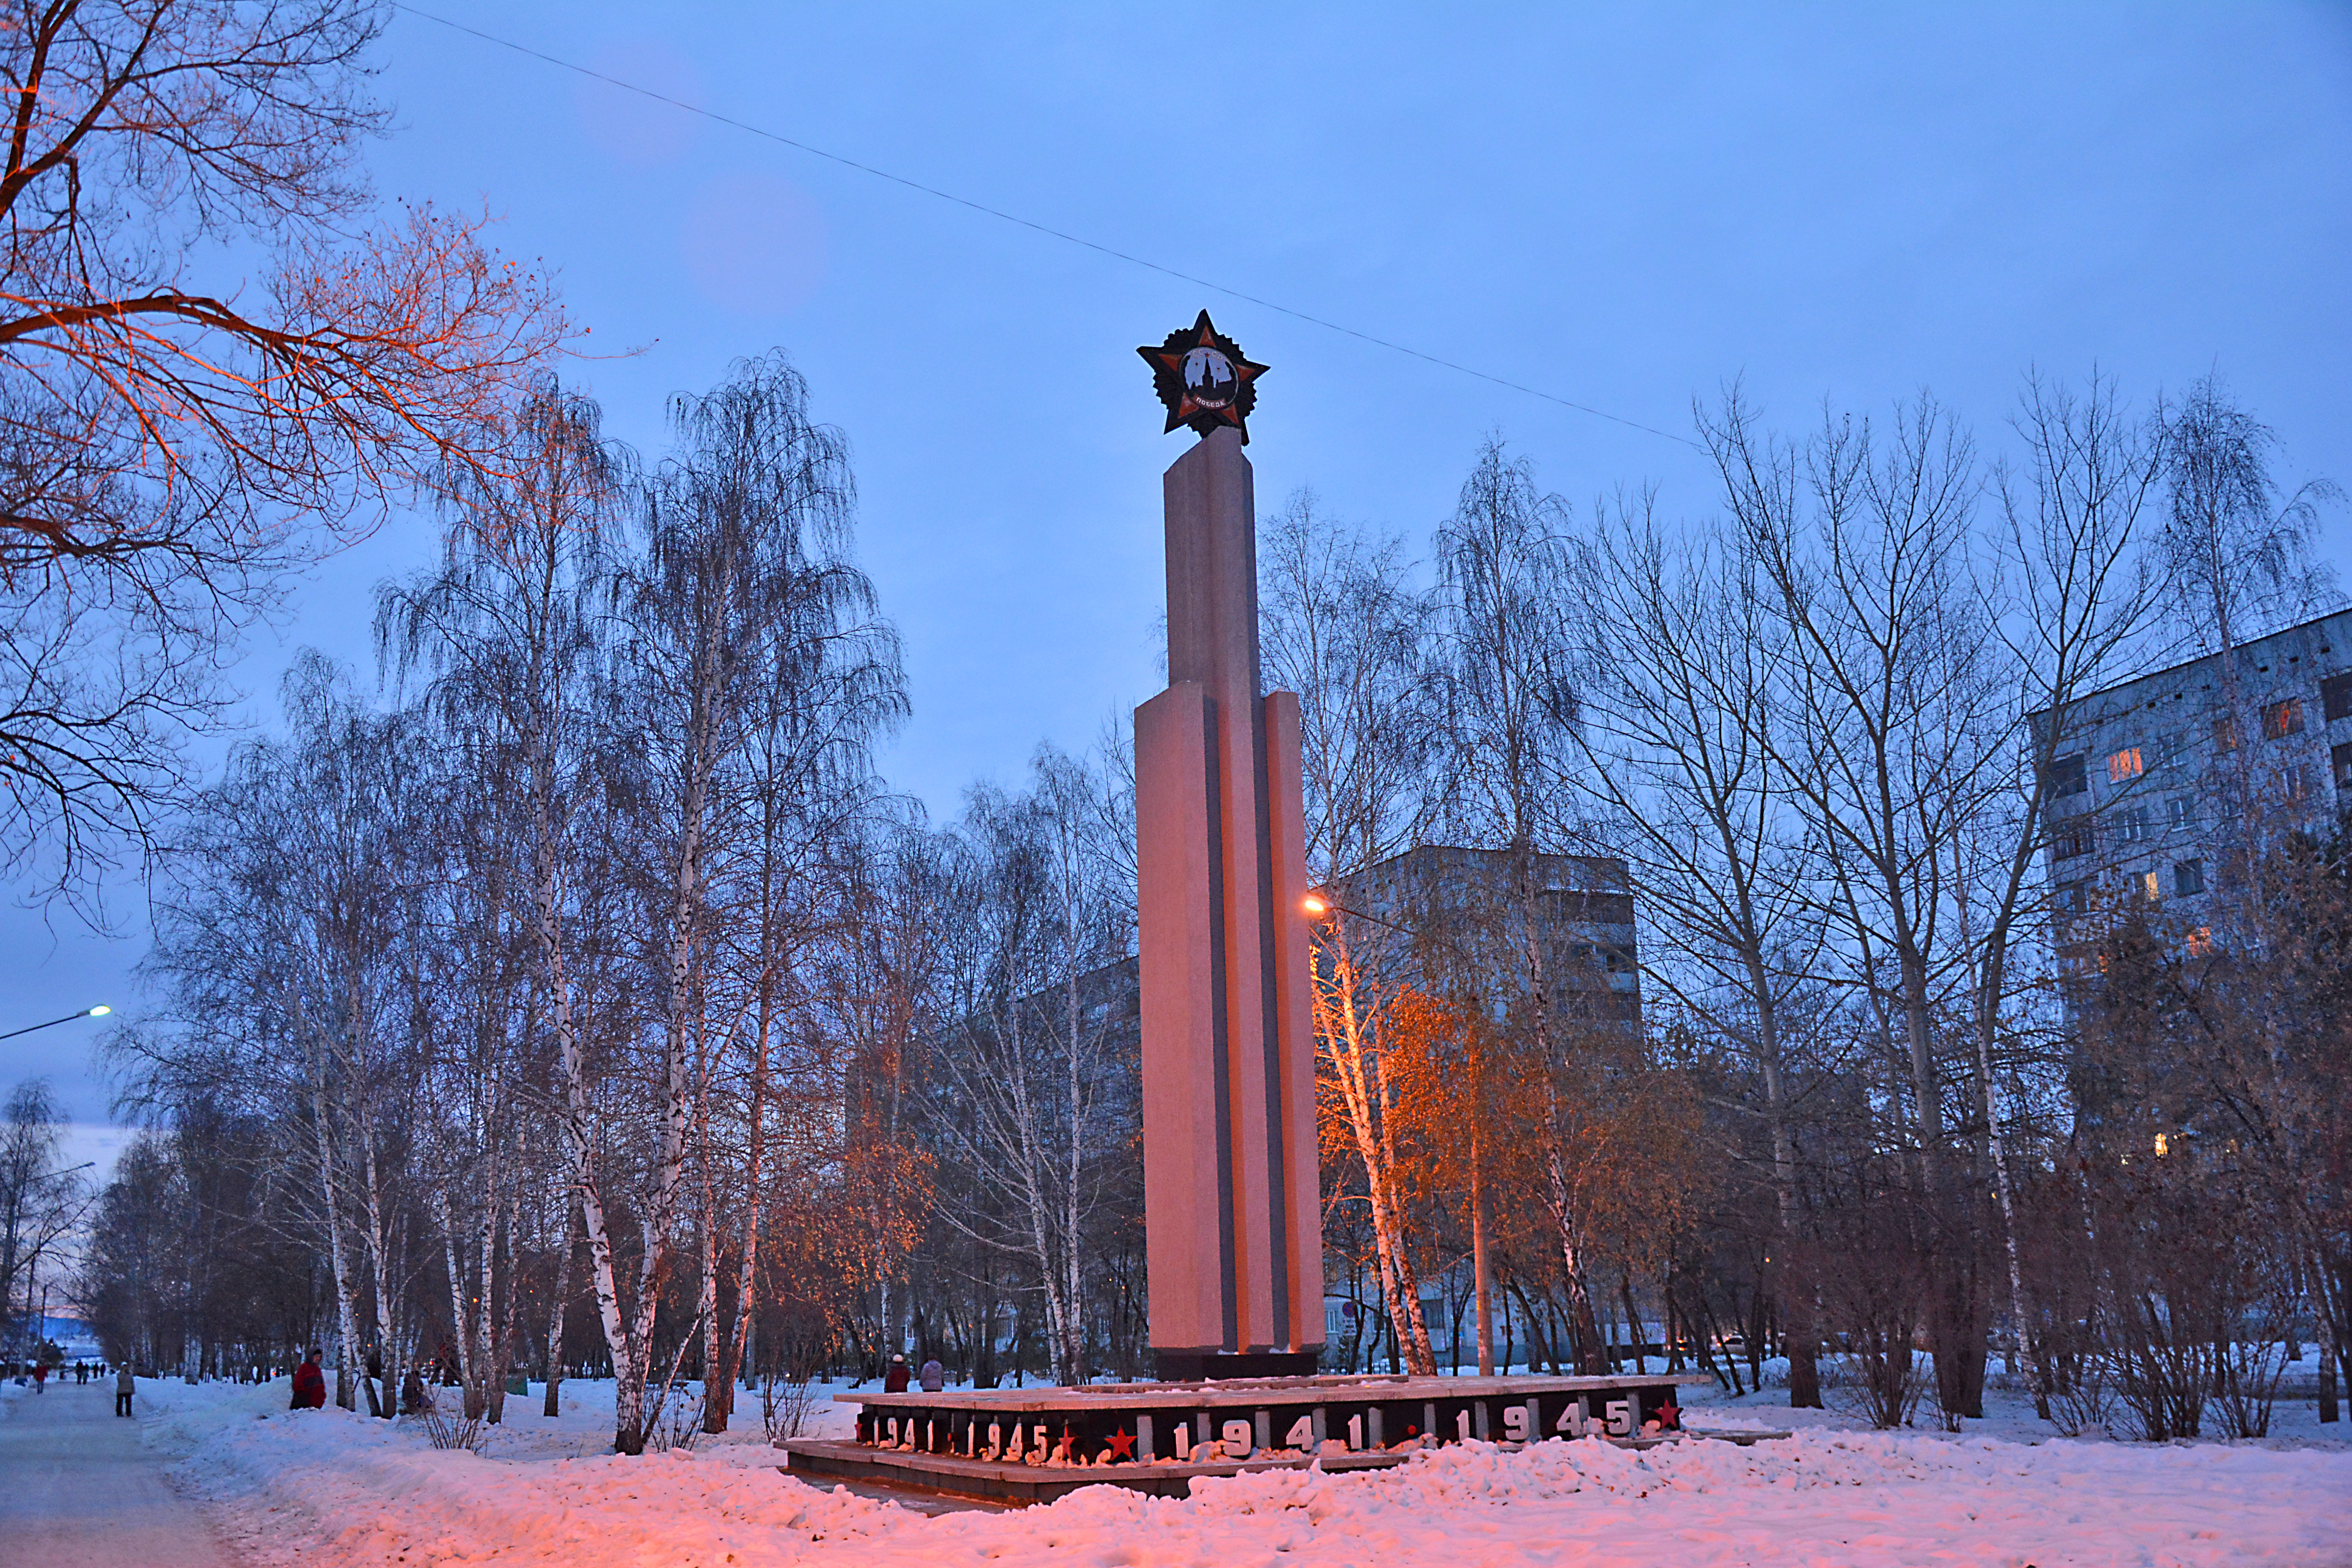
column 2147, row 776
column 1583, row 916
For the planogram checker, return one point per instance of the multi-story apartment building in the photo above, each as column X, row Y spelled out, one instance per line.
column 1583, row 915
column 2144, row 773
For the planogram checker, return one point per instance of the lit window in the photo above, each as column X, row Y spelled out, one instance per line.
column 2125, row 764
column 2200, row 941
column 2225, row 733
column 2163, row 1144
column 2283, row 719
column 2144, row 886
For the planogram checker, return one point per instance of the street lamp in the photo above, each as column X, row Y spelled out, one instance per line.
column 100, row 1011
column 1315, row 906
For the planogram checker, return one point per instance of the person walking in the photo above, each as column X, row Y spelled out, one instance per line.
column 125, row 1385
column 310, row 1385
column 41, row 1377
column 895, row 1379
column 933, row 1376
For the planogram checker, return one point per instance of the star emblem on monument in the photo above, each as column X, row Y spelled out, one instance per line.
column 1201, row 375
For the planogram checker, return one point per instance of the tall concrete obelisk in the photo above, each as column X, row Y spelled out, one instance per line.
column 1232, row 1211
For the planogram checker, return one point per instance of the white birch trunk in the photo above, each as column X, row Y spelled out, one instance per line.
column 385, row 1339
column 330, row 1191
column 1347, row 1038
column 461, row 1322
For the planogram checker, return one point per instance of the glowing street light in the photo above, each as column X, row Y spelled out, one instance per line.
column 100, row 1011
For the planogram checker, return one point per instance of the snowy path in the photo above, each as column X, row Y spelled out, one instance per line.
column 78, row 1489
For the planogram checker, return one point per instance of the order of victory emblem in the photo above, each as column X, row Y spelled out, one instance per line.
column 1201, row 375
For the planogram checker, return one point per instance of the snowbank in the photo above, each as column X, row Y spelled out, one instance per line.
column 328, row 1486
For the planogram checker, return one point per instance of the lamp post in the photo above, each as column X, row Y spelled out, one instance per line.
column 100, row 1011
column 1319, row 904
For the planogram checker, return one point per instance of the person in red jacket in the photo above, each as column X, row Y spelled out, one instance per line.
column 310, row 1385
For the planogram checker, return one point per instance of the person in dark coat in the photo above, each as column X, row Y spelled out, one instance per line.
column 125, row 1385
column 412, row 1393
column 933, row 1376
column 895, row 1379
column 310, row 1385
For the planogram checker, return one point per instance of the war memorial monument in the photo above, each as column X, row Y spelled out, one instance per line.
column 1232, row 1212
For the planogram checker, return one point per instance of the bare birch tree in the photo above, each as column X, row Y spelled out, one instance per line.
column 1345, row 629
column 1026, row 1056
column 1505, row 566
column 513, row 631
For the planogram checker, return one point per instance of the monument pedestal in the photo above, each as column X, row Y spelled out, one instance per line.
column 1033, row 1445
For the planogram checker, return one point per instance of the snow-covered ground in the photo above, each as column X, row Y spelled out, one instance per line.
column 328, row 1488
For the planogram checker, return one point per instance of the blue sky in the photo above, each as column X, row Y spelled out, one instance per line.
column 1627, row 208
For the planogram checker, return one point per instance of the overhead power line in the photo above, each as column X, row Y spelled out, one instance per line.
column 1030, row 224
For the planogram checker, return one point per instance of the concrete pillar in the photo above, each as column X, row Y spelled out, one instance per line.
column 1233, row 1215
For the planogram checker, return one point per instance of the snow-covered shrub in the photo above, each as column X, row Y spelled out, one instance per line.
column 785, row 1404
column 444, row 1429
column 672, row 1423
column 2083, row 1398
column 2251, row 1362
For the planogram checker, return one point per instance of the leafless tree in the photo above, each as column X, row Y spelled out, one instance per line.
column 1345, row 629
column 2237, row 557
column 763, row 675
column 514, row 631
column 42, row 1201
column 276, row 942
column 2073, row 598
column 1685, row 658
column 1891, row 736
column 1029, row 1054
column 167, row 449
column 1505, row 566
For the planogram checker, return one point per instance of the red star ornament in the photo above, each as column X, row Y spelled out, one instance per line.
column 1202, row 378
column 1122, row 1446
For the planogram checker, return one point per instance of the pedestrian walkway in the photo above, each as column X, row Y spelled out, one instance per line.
column 77, row 1490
